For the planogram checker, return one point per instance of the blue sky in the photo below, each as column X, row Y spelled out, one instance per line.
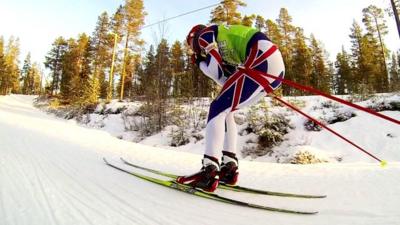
column 37, row 23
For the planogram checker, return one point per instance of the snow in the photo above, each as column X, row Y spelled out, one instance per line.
column 51, row 172
column 375, row 135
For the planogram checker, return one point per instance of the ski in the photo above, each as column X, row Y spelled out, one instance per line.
column 207, row 195
column 228, row 187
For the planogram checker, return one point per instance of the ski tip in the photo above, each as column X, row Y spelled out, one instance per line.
column 383, row 163
column 319, row 196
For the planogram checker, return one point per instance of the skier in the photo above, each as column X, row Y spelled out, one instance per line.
column 235, row 57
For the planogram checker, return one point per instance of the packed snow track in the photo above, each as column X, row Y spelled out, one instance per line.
column 52, row 172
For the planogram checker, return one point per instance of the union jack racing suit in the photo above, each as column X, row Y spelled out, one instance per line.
column 235, row 57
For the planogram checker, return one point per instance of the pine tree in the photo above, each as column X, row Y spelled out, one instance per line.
column 273, row 32
column 88, row 82
column 133, row 20
column 286, row 29
column 302, row 60
column 196, row 76
column 362, row 61
column 227, row 12
column 148, row 78
column 320, row 76
column 375, row 23
column 178, row 69
column 117, row 22
column 69, row 70
column 130, row 72
column 117, row 27
column 31, row 77
column 394, row 73
column 248, row 20
column 260, row 23
column 163, row 68
column 343, row 82
column 137, row 87
column 102, row 48
column 27, row 80
column 91, row 92
column 76, row 70
column 187, row 85
column 148, row 84
column 37, row 75
column 287, row 32
column 11, row 80
column 2, row 66
column 54, row 61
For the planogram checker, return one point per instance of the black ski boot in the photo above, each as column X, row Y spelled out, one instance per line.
column 229, row 169
column 206, row 179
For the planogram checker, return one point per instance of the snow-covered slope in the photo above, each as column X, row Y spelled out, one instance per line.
column 376, row 135
column 51, row 172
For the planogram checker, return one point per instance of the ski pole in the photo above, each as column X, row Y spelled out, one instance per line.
column 318, row 92
column 257, row 76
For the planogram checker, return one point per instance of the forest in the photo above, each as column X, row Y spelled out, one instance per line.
column 111, row 62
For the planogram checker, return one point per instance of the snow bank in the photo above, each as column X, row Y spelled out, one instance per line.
column 302, row 138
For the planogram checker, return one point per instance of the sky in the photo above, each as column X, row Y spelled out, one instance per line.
column 38, row 23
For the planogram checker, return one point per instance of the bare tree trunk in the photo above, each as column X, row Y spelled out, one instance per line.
column 396, row 15
column 383, row 53
column 124, row 67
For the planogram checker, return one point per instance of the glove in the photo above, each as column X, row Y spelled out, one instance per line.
column 196, row 59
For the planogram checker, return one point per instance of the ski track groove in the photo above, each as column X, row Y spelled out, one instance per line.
column 91, row 196
column 45, row 196
column 61, row 193
column 3, row 215
column 44, row 192
column 16, row 185
column 30, row 168
column 126, row 210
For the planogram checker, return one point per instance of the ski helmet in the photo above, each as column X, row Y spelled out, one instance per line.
column 192, row 34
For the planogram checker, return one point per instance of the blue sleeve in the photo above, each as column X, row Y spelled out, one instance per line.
column 213, row 65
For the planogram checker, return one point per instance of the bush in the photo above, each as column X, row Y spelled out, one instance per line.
column 187, row 120
column 197, row 137
column 395, row 106
column 306, row 157
column 273, row 131
column 178, row 117
column 298, row 103
column 340, row 117
column 131, row 120
column 360, row 97
column 254, row 151
column 240, row 118
column 196, row 117
column 149, row 122
column 179, row 137
column 270, row 129
column 379, row 105
column 54, row 103
column 331, row 112
column 330, row 105
column 310, row 125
